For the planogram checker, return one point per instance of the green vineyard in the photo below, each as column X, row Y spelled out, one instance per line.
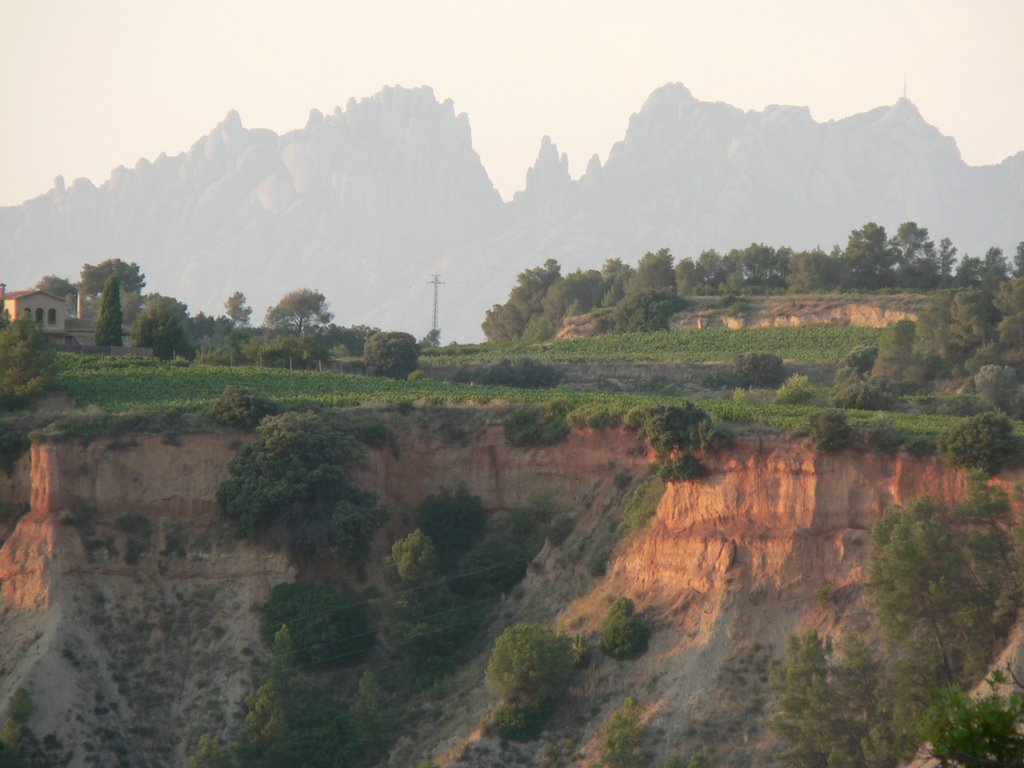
column 814, row 344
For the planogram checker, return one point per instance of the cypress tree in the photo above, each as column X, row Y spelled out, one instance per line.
column 109, row 332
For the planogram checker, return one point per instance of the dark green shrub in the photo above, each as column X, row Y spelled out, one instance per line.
column 957, row 405
column 393, row 354
column 830, row 430
column 516, row 721
column 624, row 634
column 538, row 426
column 983, row 442
column 759, row 369
column 523, row 372
column 858, row 363
column 455, row 520
column 646, row 311
column 530, row 663
column 597, row 564
column 872, row 394
column 580, row 652
column 300, row 469
column 493, row 567
column 240, row 408
column 878, row 434
column 326, row 629
column 675, row 427
column 372, row 433
column 683, row 466
column 20, row 706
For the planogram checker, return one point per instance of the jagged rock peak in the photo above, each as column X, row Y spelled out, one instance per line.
column 315, row 119
column 549, row 167
column 231, row 126
column 549, row 177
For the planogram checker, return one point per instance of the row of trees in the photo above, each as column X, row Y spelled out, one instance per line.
column 643, row 297
column 297, row 332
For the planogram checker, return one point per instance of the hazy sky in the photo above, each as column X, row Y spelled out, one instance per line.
column 87, row 86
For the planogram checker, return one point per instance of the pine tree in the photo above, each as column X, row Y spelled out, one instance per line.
column 109, row 332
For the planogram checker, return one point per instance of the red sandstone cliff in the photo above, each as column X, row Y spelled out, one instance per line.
column 146, row 629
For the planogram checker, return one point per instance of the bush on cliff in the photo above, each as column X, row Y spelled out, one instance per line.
column 624, row 634
column 299, row 470
column 984, row 442
column 239, row 407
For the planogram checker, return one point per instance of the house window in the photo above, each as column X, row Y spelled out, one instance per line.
column 39, row 315
column 51, row 317
column 27, row 313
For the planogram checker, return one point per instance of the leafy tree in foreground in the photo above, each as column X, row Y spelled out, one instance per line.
column 27, row 362
column 821, row 711
column 109, row 324
column 975, row 733
column 530, row 663
column 929, row 591
column 299, row 469
column 393, row 354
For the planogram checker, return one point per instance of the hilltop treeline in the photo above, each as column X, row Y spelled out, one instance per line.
column 644, row 297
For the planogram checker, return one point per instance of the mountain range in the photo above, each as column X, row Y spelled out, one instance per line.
column 366, row 203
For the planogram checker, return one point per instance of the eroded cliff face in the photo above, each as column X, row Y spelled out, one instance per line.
column 131, row 609
column 127, row 604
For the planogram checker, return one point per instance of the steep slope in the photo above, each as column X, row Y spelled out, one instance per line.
column 131, row 610
column 366, row 202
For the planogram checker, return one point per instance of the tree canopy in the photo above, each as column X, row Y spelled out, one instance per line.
column 300, row 469
column 159, row 328
column 530, row 662
column 392, row 353
column 299, row 312
column 94, row 278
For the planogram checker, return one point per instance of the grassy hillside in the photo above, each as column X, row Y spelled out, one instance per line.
column 148, row 386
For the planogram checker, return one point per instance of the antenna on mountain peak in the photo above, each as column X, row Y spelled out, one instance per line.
column 904, row 86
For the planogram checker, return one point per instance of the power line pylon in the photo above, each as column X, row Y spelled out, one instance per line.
column 435, row 280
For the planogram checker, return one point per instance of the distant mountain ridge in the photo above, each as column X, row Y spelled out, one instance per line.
column 365, row 203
